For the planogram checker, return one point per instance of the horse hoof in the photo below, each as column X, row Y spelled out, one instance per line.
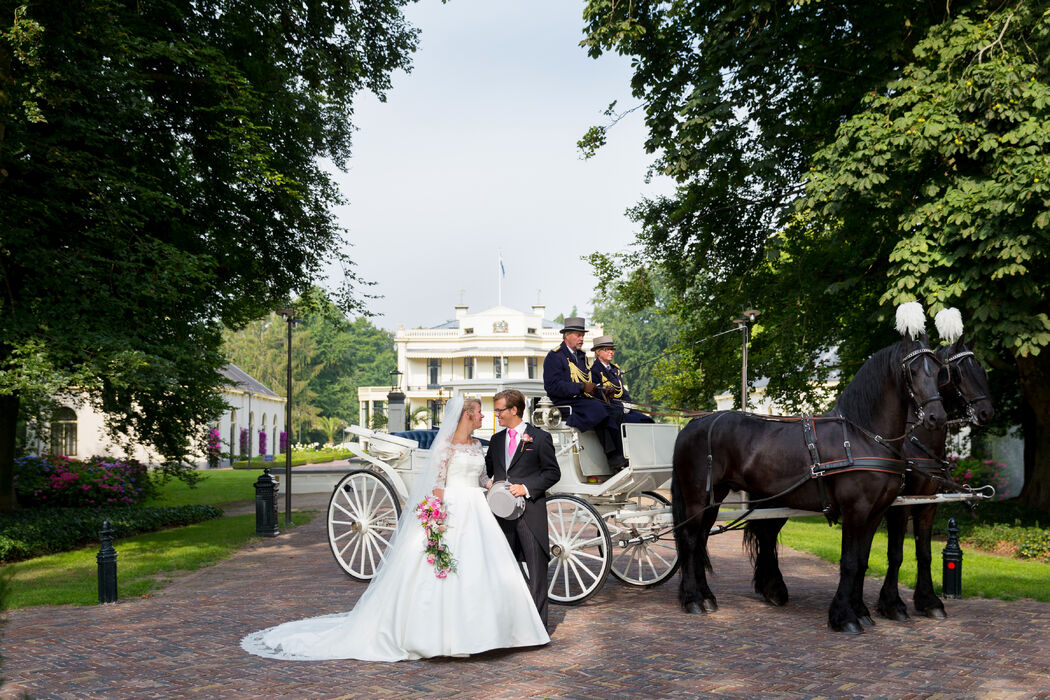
column 710, row 605
column 693, row 608
column 866, row 621
column 895, row 614
column 850, row 627
column 935, row 613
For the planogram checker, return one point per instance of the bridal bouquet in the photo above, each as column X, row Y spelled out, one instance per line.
column 431, row 512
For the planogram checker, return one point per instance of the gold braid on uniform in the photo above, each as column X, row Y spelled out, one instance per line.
column 578, row 375
column 619, row 387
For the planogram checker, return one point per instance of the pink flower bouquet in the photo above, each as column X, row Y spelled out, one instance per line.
column 431, row 512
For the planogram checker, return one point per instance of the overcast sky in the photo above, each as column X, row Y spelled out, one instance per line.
column 474, row 152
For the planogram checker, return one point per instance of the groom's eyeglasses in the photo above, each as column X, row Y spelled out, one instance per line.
column 498, row 411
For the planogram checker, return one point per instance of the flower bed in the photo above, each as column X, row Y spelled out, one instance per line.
column 64, row 481
column 25, row 534
column 977, row 472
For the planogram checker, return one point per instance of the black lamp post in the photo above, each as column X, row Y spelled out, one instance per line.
column 748, row 316
column 289, row 316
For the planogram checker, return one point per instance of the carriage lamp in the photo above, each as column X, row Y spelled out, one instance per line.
column 395, row 380
column 952, row 556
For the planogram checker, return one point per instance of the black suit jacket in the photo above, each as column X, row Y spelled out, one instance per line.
column 535, row 465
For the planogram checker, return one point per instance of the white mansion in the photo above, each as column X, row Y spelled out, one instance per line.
column 475, row 354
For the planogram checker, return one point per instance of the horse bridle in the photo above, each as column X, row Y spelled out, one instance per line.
column 906, row 361
column 971, row 412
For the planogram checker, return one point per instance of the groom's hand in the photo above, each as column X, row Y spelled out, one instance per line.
column 517, row 490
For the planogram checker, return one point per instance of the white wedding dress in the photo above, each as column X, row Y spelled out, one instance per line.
column 413, row 614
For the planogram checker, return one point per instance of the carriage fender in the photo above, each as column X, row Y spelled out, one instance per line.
column 395, row 479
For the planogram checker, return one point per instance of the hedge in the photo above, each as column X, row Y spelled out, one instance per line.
column 25, row 534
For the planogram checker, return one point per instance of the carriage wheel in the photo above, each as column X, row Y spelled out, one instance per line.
column 647, row 562
column 580, row 547
column 362, row 518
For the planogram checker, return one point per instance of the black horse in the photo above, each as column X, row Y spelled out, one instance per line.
column 964, row 386
column 845, row 463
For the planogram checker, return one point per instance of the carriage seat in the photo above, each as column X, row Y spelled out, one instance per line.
column 425, row 438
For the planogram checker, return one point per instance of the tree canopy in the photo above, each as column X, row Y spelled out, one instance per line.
column 160, row 178
column 833, row 160
column 331, row 357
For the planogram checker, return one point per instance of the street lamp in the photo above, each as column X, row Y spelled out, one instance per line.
column 395, row 403
column 289, row 316
column 747, row 316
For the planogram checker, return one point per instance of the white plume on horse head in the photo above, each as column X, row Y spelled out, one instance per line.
column 910, row 319
column 949, row 324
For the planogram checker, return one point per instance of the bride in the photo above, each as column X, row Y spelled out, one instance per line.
column 408, row 612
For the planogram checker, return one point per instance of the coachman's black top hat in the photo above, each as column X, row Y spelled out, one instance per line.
column 574, row 323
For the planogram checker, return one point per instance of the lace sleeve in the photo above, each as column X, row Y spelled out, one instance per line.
column 483, row 472
column 442, row 466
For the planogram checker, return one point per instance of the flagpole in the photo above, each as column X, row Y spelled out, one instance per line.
column 499, row 275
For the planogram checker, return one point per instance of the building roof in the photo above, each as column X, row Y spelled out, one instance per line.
column 239, row 379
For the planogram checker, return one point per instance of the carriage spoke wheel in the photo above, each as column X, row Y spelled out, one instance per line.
column 643, row 561
column 362, row 518
column 580, row 548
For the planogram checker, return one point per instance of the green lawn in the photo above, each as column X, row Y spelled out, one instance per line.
column 145, row 562
column 218, row 486
column 984, row 575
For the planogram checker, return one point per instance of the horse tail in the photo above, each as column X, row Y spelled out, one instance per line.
column 683, row 541
column 751, row 543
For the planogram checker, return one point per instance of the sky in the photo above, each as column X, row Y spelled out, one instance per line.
column 474, row 153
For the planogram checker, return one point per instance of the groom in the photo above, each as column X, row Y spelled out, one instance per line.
column 524, row 455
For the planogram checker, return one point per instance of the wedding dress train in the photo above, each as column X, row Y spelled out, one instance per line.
column 413, row 614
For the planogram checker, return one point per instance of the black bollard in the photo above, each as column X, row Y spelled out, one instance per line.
column 266, row 505
column 953, row 556
column 107, row 566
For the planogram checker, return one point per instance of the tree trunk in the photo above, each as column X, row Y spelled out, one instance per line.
column 8, row 425
column 1034, row 373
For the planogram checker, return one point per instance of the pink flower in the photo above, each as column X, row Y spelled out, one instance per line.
column 442, row 573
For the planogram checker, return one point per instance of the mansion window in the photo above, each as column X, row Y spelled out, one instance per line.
column 531, row 362
column 499, row 367
column 64, row 432
column 468, row 367
column 433, row 371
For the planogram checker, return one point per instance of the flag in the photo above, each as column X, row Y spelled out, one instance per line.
column 502, row 270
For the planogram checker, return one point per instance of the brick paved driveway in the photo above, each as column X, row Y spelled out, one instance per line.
column 625, row 642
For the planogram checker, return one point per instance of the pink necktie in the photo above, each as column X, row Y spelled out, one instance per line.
column 513, row 440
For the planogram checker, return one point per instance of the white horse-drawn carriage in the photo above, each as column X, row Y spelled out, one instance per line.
column 599, row 520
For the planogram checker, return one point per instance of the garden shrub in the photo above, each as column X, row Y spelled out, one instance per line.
column 25, row 534
column 977, row 472
column 55, row 481
column 1023, row 542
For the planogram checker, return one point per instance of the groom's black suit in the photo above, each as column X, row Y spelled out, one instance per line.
column 535, row 466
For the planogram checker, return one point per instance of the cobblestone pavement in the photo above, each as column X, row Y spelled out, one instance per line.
column 624, row 642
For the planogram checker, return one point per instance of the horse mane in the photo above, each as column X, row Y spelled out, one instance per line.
column 862, row 397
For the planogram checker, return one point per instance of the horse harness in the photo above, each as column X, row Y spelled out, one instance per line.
column 818, row 468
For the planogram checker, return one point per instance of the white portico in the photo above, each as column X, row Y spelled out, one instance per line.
column 475, row 354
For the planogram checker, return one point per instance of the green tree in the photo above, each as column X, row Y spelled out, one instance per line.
column 332, row 427
column 949, row 168
column 635, row 314
column 919, row 129
column 331, row 357
column 160, row 176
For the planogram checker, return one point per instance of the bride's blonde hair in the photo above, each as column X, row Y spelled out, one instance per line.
column 469, row 404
